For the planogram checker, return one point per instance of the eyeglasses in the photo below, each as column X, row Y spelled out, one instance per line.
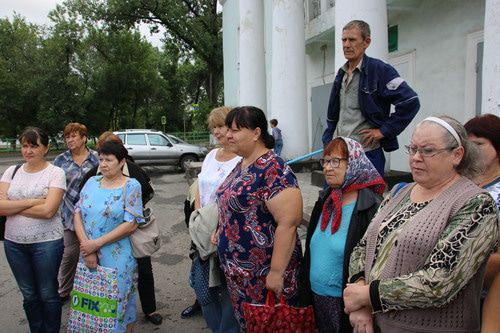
column 426, row 151
column 334, row 162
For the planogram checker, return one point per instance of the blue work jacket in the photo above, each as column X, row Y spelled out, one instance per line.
column 379, row 86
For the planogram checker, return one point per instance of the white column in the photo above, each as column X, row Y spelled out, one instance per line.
column 373, row 12
column 287, row 95
column 252, row 55
column 491, row 59
column 230, row 42
column 244, row 57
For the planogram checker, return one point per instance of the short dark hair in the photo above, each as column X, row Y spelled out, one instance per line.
column 486, row 126
column 251, row 117
column 113, row 148
column 31, row 135
column 274, row 122
column 363, row 27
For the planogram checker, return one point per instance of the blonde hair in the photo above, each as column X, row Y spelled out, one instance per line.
column 217, row 116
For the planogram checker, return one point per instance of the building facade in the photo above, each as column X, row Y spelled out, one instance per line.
column 282, row 56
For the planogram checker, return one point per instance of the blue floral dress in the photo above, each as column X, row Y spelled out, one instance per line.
column 102, row 211
column 246, row 237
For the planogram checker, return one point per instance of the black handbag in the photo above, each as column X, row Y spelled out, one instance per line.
column 3, row 219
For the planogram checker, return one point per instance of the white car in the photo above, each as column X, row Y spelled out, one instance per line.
column 155, row 147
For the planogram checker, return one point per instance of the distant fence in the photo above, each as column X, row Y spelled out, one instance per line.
column 198, row 138
column 7, row 144
column 13, row 145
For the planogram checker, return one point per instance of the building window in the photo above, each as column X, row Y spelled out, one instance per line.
column 393, row 38
column 331, row 3
column 314, row 9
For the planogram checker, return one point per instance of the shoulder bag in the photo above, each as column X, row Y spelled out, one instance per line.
column 145, row 240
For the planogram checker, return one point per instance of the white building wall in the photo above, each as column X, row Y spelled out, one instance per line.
column 438, row 32
column 491, row 64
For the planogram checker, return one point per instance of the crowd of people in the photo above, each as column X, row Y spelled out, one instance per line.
column 414, row 261
column 421, row 259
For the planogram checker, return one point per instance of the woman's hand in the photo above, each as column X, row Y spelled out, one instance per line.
column 91, row 260
column 356, row 296
column 274, row 282
column 89, row 246
column 214, row 237
column 362, row 320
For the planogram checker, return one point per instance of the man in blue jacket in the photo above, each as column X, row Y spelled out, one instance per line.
column 361, row 98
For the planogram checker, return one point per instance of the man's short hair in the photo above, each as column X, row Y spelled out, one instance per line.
column 363, row 27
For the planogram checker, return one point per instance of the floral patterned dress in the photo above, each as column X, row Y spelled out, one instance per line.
column 246, row 237
column 102, row 211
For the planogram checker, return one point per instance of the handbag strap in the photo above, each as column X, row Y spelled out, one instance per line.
column 270, row 298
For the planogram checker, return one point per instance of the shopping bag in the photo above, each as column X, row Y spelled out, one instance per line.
column 271, row 317
column 94, row 300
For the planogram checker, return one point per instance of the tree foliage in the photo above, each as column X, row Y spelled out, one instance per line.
column 92, row 66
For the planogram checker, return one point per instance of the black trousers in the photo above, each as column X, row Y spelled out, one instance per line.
column 146, row 285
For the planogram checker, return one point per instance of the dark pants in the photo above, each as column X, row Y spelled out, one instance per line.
column 146, row 285
column 328, row 313
column 35, row 267
column 377, row 158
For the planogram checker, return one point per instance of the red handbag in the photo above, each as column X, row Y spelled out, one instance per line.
column 282, row 318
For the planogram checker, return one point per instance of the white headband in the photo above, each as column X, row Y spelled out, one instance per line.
column 447, row 126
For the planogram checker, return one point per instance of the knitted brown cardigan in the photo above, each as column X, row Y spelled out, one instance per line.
column 415, row 244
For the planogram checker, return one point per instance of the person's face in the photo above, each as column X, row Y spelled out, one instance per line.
column 109, row 165
column 242, row 141
column 219, row 133
column 353, row 44
column 75, row 140
column 429, row 171
column 488, row 152
column 334, row 176
column 33, row 153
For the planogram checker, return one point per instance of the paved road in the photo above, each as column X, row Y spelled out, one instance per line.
column 171, row 264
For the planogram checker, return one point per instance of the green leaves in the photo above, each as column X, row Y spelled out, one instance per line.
column 92, row 66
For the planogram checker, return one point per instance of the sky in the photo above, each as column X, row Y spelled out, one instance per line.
column 36, row 11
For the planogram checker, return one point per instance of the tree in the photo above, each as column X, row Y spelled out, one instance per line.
column 19, row 56
column 193, row 25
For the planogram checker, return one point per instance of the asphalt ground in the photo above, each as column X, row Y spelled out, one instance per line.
column 171, row 263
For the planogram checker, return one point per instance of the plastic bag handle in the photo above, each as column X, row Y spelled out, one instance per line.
column 270, row 298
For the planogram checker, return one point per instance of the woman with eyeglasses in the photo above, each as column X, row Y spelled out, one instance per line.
column 338, row 221
column 420, row 265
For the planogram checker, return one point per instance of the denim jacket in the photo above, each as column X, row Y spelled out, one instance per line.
column 379, row 86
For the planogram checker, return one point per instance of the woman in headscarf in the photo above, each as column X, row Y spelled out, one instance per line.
column 338, row 221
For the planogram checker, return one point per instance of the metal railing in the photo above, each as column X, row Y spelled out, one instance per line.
column 198, row 138
column 303, row 157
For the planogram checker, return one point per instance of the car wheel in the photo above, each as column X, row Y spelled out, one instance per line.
column 185, row 160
